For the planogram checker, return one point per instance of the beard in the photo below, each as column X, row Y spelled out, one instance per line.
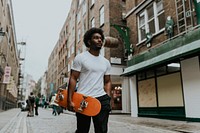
column 95, row 47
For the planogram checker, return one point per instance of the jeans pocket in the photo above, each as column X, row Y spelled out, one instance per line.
column 105, row 102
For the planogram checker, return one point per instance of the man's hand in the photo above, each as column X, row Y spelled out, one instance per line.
column 70, row 106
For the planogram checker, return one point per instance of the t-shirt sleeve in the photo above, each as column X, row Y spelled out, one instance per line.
column 76, row 64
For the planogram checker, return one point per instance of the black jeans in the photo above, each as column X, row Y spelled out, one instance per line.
column 36, row 109
column 100, row 121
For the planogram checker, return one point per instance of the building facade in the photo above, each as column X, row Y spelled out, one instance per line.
column 44, row 86
column 9, row 58
column 29, row 85
column 52, row 71
column 163, row 73
column 83, row 15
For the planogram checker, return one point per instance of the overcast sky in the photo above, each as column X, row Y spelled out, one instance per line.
column 38, row 23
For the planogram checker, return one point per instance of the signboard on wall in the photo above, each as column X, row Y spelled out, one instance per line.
column 6, row 77
column 115, row 60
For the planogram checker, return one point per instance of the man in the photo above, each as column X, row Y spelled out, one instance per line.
column 37, row 100
column 92, row 71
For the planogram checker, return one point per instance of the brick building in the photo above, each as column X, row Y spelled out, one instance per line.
column 163, row 73
column 83, row 15
column 9, row 58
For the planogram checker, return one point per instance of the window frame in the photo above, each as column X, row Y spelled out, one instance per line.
column 102, row 15
column 155, row 18
column 93, row 22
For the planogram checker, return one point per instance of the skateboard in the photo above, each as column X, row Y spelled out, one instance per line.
column 86, row 105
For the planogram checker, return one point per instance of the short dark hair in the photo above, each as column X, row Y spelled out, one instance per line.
column 90, row 32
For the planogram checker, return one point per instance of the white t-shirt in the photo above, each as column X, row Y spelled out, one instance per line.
column 92, row 70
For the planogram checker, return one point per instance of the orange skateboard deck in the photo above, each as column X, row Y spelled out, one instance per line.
column 86, row 105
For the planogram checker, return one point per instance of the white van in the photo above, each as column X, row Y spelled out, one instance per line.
column 22, row 105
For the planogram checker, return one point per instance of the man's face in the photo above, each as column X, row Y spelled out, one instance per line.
column 96, row 41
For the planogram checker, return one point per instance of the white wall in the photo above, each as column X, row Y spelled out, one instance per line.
column 191, row 86
column 116, row 70
column 126, row 101
column 133, row 93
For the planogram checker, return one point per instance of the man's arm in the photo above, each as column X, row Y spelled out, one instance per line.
column 71, row 87
column 107, row 84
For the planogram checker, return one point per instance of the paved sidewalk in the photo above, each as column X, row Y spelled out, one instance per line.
column 7, row 116
column 172, row 125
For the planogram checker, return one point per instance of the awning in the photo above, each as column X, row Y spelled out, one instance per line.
column 188, row 49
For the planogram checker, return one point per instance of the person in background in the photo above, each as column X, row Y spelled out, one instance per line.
column 42, row 101
column 92, row 71
column 37, row 100
column 31, row 103
column 54, row 104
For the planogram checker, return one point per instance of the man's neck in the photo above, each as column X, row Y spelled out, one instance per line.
column 94, row 52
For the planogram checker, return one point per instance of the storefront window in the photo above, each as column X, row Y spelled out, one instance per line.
column 141, row 76
column 161, row 70
column 116, row 95
column 150, row 74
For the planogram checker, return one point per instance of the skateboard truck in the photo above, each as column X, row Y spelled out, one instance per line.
column 61, row 97
column 83, row 104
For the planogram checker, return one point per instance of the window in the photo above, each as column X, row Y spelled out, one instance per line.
column 79, row 51
column 79, row 35
column 80, row 2
column 151, row 20
column 78, row 17
column 73, row 32
column 92, row 2
column 93, row 22
column 84, row 7
column 101, row 15
column 69, row 67
column 142, row 28
column 72, row 49
column 84, row 48
column 161, row 70
column 84, row 26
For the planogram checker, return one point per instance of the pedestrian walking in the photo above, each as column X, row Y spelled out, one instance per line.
column 37, row 100
column 31, row 103
column 54, row 104
column 92, row 71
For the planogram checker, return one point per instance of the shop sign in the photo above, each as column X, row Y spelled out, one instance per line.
column 7, row 72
